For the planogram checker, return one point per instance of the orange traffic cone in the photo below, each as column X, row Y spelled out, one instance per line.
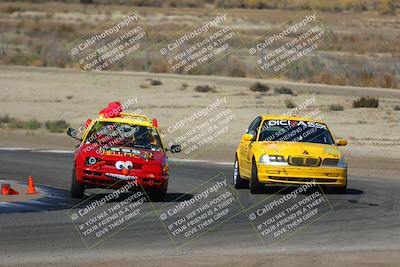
column 5, row 189
column 31, row 186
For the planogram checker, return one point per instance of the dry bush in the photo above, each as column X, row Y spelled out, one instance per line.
column 57, row 126
column 13, row 123
column 283, row 90
column 205, row 89
column 366, row 102
column 289, row 103
column 387, row 7
column 155, row 82
column 159, row 67
column 184, row 86
column 388, row 81
column 259, row 87
column 336, row 107
column 327, row 78
column 236, row 68
column 12, row 9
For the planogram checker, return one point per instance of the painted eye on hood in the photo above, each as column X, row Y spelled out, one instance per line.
column 119, row 165
column 128, row 165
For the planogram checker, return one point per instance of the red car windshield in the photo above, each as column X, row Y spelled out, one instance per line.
column 123, row 135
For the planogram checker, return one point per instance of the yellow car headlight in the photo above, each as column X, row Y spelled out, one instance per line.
column 272, row 160
column 342, row 163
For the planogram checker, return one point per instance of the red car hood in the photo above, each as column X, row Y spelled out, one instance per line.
column 138, row 155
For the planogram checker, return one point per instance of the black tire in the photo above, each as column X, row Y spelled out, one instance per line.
column 255, row 186
column 338, row 190
column 238, row 181
column 158, row 195
column 77, row 189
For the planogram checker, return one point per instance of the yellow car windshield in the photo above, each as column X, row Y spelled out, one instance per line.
column 295, row 131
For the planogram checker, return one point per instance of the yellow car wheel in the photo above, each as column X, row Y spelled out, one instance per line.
column 238, row 181
column 255, row 186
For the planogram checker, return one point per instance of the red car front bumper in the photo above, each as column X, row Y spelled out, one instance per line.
column 107, row 178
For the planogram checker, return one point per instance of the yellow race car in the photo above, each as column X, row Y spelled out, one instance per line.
column 289, row 150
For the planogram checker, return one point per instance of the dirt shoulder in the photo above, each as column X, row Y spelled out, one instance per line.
column 306, row 259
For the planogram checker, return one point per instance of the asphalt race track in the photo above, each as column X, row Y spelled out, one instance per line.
column 367, row 217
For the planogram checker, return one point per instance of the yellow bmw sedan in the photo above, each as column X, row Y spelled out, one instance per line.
column 289, row 150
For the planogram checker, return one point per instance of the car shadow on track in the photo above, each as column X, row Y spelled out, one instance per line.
column 170, row 197
column 54, row 199
column 282, row 190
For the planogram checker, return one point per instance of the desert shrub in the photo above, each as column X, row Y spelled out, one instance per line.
column 387, row 8
column 259, row 87
column 12, row 9
column 155, row 82
column 236, row 68
column 336, row 107
column 327, row 78
column 397, row 107
column 32, row 124
column 184, row 86
column 205, row 89
column 5, row 119
column 65, row 28
column 57, row 126
column 13, row 123
column 388, row 81
column 289, row 103
column 366, row 102
column 283, row 90
column 159, row 67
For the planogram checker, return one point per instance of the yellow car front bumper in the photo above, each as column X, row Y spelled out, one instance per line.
column 335, row 177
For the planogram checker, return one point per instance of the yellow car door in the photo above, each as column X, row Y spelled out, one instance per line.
column 245, row 147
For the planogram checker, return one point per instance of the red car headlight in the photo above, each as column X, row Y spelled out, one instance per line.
column 92, row 160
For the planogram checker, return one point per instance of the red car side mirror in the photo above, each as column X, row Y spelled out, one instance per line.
column 155, row 123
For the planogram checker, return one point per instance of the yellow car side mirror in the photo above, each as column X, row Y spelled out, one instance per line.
column 341, row 142
column 247, row 137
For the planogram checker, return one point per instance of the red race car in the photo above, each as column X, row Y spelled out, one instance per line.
column 118, row 149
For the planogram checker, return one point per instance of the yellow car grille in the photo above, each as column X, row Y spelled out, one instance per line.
column 304, row 161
